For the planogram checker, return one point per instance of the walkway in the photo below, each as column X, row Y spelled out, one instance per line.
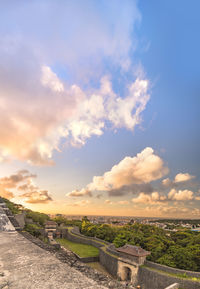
column 23, row 265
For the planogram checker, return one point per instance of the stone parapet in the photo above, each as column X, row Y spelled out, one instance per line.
column 151, row 278
column 172, row 270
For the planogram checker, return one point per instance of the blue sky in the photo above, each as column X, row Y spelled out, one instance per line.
column 72, row 77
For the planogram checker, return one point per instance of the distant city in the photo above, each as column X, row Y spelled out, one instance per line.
column 167, row 224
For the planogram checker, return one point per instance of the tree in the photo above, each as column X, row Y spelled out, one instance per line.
column 122, row 238
column 33, row 229
column 106, row 232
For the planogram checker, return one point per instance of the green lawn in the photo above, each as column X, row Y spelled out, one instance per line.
column 80, row 249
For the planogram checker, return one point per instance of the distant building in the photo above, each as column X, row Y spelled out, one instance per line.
column 50, row 226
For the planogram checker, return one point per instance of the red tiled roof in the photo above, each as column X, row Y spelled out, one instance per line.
column 50, row 223
column 133, row 250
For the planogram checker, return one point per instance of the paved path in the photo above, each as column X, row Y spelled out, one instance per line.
column 24, row 265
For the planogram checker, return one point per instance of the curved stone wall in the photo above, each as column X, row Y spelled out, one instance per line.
column 75, row 236
column 150, row 276
column 110, row 262
column 172, row 270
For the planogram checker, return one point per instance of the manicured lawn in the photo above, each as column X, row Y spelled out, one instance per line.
column 80, row 249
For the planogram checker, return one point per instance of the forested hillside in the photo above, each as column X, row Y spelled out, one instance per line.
column 179, row 249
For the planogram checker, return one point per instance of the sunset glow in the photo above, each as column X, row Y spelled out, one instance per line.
column 99, row 107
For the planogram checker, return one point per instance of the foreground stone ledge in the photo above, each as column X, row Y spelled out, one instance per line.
column 25, row 265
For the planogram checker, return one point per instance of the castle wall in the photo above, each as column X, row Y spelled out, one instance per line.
column 76, row 237
column 149, row 278
column 146, row 276
column 171, row 270
column 110, row 262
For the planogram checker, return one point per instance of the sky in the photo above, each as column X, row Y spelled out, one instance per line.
column 99, row 107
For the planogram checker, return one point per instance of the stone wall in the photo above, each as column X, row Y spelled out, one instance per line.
column 76, row 231
column 110, row 262
column 20, row 219
column 74, row 236
column 171, row 270
column 149, row 278
column 107, row 259
column 111, row 249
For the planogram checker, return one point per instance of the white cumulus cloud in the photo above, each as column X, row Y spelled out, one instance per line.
column 38, row 109
column 183, row 177
column 180, row 195
column 145, row 167
column 152, row 198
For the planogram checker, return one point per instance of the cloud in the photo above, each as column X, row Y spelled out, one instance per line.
column 168, row 211
column 36, row 197
column 195, row 212
column 40, row 110
column 49, row 114
column 158, row 198
column 5, row 193
column 7, row 184
column 81, row 193
column 81, row 203
column 12, row 187
column 104, row 106
column 50, row 79
column 13, row 180
column 183, row 177
column 123, row 202
column 141, row 169
column 82, row 35
column 133, row 189
column 179, row 179
column 154, row 198
column 109, row 202
column 180, row 195
column 167, row 182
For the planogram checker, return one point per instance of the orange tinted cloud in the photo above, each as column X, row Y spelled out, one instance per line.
column 12, row 187
column 153, row 198
column 145, row 167
column 38, row 110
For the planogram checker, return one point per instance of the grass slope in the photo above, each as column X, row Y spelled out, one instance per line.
column 80, row 249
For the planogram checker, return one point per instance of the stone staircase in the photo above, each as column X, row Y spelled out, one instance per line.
column 7, row 219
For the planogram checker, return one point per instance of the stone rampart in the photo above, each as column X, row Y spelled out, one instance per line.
column 111, row 249
column 150, row 278
column 76, row 231
column 109, row 261
column 172, row 270
column 75, row 236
